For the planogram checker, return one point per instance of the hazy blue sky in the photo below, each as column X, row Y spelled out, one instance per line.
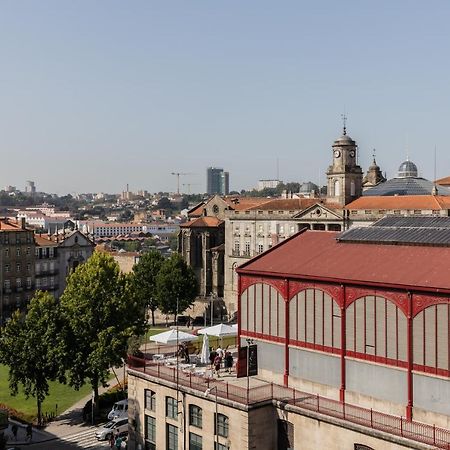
column 95, row 94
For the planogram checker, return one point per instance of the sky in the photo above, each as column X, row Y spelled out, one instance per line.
column 97, row 94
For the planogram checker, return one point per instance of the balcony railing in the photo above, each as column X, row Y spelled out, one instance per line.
column 376, row 420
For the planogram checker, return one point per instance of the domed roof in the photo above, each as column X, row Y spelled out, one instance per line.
column 407, row 169
column 344, row 139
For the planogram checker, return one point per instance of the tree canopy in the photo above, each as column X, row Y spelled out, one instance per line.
column 176, row 281
column 31, row 346
column 100, row 313
column 144, row 279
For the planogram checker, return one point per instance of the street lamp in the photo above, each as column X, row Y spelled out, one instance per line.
column 216, row 435
column 212, row 297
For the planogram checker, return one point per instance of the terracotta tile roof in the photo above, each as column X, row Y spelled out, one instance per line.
column 202, row 222
column 241, row 203
column 10, row 225
column 318, row 255
column 424, row 202
column 44, row 240
column 443, row 181
column 197, row 210
column 286, row 204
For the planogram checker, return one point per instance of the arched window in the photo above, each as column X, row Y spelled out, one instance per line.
column 262, row 311
column 431, row 344
column 315, row 320
column 337, row 188
column 376, row 327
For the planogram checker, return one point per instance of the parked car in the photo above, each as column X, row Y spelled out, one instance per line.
column 119, row 409
column 117, row 425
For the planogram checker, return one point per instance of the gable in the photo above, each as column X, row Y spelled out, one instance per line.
column 319, row 211
column 77, row 238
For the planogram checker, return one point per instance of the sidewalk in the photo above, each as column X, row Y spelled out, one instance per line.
column 66, row 424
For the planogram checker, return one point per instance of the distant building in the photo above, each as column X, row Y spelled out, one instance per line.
column 16, row 268
column 217, row 181
column 267, row 184
column 30, row 187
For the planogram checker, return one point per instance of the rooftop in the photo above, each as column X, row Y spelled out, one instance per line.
column 400, row 202
column 318, row 255
column 202, row 222
column 405, row 186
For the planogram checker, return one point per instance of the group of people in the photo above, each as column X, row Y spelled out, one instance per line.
column 217, row 356
column 117, row 442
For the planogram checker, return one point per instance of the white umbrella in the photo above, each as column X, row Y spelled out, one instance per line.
column 172, row 337
column 204, row 355
column 235, row 326
column 220, row 330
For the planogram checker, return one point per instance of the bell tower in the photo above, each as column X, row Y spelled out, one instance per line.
column 344, row 175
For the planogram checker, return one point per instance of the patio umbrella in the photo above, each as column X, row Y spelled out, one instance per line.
column 220, row 330
column 172, row 337
column 204, row 355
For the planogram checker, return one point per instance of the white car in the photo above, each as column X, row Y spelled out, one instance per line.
column 119, row 409
column 112, row 428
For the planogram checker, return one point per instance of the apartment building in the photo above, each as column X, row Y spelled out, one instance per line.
column 17, row 266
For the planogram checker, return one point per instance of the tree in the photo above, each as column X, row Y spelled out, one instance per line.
column 176, row 283
column 144, row 279
column 31, row 346
column 101, row 313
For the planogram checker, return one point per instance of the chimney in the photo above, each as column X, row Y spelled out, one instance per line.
column 22, row 223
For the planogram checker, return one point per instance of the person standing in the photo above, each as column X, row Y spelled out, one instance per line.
column 112, row 440
column 217, row 363
column 228, row 361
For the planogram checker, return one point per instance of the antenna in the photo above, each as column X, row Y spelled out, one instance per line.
column 344, row 122
column 435, row 175
column 278, row 169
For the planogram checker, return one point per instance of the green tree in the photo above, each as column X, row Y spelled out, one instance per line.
column 31, row 346
column 176, row 283
column 144, row 279
column 101, row 314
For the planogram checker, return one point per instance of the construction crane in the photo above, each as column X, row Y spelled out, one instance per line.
column 189, row 186
column 178, row 179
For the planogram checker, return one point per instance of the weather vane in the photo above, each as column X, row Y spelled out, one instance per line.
column 344, row 121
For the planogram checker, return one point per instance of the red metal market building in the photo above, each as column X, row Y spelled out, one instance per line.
column 363, row 317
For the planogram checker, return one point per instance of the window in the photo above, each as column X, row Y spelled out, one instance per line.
column 6, row 252
column 51, row 251
column 171, row 437
column 236, row 247
column 150, row 433
column 18, row 251
column 7, row 284
column 221, row 425
column 36, row 252
column 28, row 267
column 6, row 268
column 195, row 416
column 28, row 250
column 18, row 282
column 220, row 446
column 171, row 408
column 247, row 248
column 195, row 442
column 18, row 267
column 260, row 248
column 150, row 400
column 38, row 283
column 44, row 281
column 29, row 282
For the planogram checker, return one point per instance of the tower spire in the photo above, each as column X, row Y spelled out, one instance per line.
column 344, row 121
column 374, row 152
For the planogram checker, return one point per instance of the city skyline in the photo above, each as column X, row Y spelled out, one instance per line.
column 95, row 95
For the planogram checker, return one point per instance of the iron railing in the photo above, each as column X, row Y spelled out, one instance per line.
column 388, row 423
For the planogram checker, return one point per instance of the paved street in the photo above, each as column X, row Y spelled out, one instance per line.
column 81, row 440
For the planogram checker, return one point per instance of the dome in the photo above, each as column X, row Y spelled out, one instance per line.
column 345, row 139
column 407, row 169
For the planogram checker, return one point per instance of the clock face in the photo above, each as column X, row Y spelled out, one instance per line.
column 215, row 209
column 337, row 153
column 352, row 154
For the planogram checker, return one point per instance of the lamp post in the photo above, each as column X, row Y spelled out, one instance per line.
column 216, row 435
column 212, row 297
